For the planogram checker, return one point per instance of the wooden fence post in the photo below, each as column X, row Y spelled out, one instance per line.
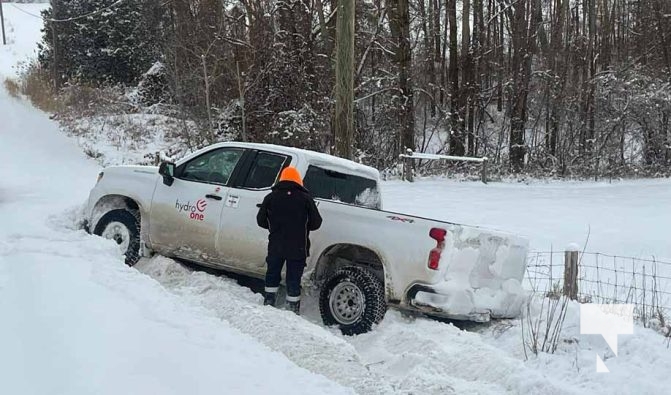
column 484, row 170
column 571, row 271
column 407, row 165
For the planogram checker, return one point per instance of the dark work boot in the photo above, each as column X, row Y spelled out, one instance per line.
column 295, row 307
column 269, row 299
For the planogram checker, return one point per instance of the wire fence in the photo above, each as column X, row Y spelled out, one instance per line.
column 604, row 278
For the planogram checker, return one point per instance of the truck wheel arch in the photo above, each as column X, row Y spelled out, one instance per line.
column 341, row 255
column 108, row 203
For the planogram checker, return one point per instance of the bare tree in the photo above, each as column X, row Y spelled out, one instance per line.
column 400, row 30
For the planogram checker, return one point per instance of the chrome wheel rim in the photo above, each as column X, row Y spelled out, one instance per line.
column 118, row 232
column 346, row 302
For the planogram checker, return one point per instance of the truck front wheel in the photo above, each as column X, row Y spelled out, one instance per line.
column 123, row 227
column 353, row 299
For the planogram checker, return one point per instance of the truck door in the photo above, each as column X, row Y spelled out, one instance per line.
column 184, row 217
column 241, row 241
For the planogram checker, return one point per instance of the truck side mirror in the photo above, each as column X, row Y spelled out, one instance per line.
column 167, row 170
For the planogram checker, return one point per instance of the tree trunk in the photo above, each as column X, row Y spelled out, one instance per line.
column 523, row 27
column 466, row 94
column 400, row 30
column 436, row 51
column 208, row 105
column 501, row 68
column 558, row 68
column 427, row 30
column 457, row 133
column 662, row 29
column 241, row 93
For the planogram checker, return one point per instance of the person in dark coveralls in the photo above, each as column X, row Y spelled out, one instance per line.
column 289, row 213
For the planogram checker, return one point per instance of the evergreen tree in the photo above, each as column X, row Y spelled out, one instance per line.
column 116, row 45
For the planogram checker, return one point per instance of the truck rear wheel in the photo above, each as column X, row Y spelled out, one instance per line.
column 353, row 299
column 123, row 227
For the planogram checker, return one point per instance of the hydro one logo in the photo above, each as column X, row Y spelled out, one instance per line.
column 195, row 212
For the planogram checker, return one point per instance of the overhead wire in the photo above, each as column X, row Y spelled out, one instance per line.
column 72, row 19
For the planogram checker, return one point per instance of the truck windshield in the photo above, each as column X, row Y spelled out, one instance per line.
column 346, row 188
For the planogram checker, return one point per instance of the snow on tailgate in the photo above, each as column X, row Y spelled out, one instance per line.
column 483, row 272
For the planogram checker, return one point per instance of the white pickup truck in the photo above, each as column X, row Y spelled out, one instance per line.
column 203, row 207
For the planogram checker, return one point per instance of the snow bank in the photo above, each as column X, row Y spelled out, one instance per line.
column 126, row 139
column 308, row 345
column 427, row 357
column 81, row 321
column 641, row 366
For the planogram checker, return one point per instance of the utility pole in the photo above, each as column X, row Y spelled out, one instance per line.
column 2, row 22
column 54, row 45
column 344, row 75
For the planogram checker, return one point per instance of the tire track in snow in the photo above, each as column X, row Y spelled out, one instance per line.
column 307, row 345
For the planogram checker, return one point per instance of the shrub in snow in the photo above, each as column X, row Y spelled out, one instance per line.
column 543, row 321
column 153, row 86
column 302, row 128
column 228, row 121
column 12, row 87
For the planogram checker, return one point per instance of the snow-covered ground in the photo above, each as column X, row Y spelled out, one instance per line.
column 126, row 138
column 76, row 320
column 628, row 218
column 23, row 31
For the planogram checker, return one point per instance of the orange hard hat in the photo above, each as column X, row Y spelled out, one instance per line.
column 290, row 173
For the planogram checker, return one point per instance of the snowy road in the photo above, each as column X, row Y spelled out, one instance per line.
column 76, row 320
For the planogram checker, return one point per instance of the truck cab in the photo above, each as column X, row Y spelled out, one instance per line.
column 203, row 213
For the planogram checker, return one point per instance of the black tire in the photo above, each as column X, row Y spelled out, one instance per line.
column 128, row 220
column 348, row 280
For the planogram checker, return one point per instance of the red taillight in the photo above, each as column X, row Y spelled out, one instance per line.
column 438, row 234
column 434, row 258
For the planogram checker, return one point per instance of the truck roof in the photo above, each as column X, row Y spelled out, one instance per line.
column 316, row 158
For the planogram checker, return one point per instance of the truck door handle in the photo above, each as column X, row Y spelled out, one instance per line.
column 211, row 196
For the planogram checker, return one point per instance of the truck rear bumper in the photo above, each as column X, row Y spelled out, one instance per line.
column 463, row 304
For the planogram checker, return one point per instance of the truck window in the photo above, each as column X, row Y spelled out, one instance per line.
column 264, row 171
column 213, row 167
column 346, row 188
